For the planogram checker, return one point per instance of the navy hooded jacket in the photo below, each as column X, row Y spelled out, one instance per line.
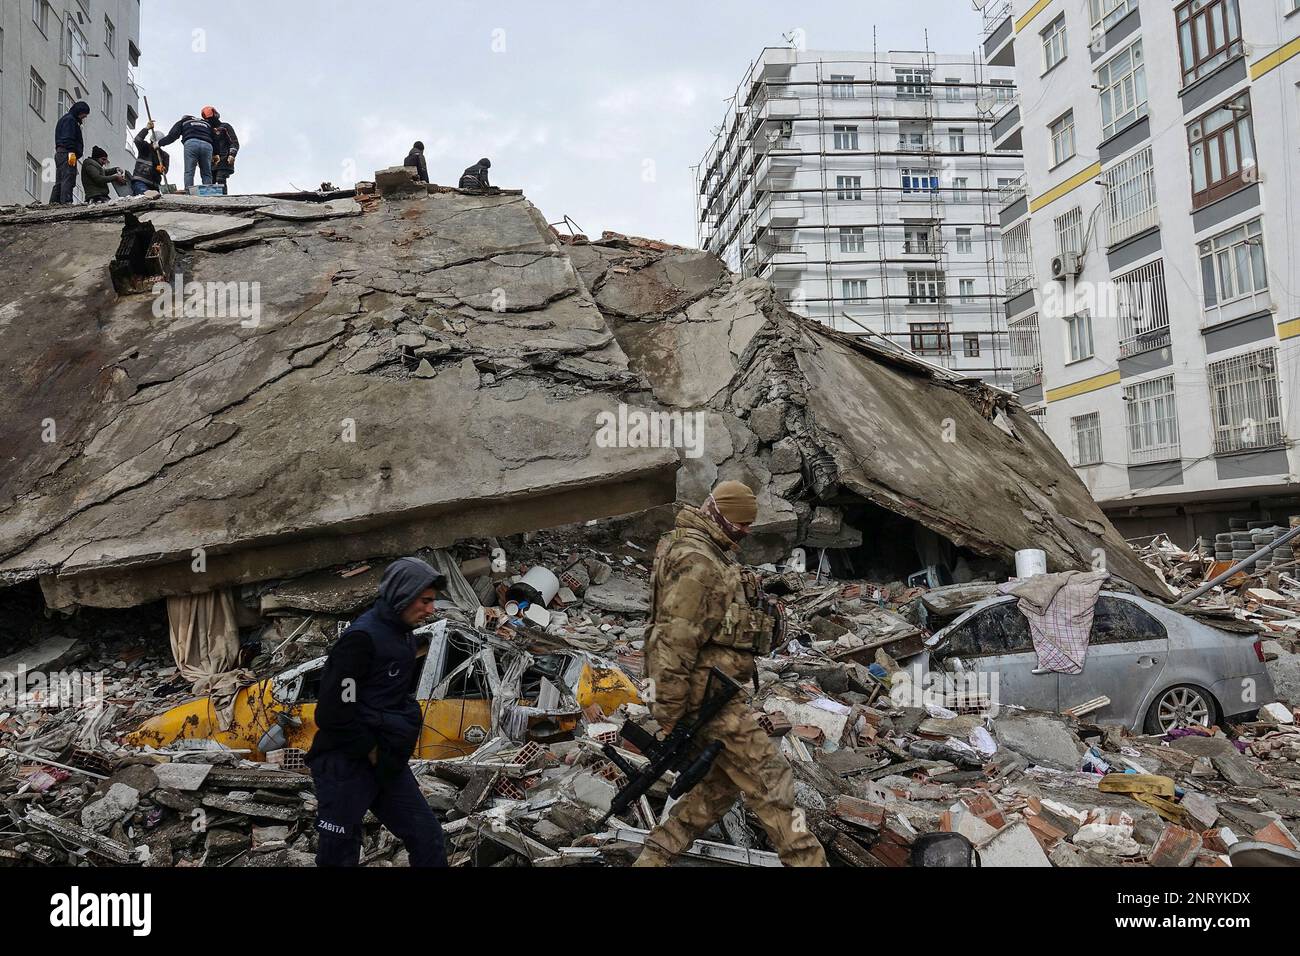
column 67, row 135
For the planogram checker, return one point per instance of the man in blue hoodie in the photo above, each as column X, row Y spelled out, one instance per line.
column 368, row 723
column 68, row 147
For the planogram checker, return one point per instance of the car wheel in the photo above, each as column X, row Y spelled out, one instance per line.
column 1181, row 706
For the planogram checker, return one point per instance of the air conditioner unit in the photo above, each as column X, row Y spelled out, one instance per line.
column 1069, row 264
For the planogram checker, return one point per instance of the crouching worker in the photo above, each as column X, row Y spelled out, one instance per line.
column 707, row 613
column 368, row 724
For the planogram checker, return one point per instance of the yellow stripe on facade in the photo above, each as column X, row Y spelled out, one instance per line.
column 1289, row 330
column 1034, row 11
column 1275, row 59
column 1104, row 380
column 1069, row 186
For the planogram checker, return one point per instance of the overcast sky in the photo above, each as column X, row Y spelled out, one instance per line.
column 595, row 109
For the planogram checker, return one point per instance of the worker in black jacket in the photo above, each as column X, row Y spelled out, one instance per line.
column 225, row 146
column 151, row 164
column 416, row 158
column 368, row 724
column 197, row 134
column 68, row 148
column 476, row 176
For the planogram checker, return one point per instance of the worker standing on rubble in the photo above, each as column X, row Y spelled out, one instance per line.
column 368, row 724
column 68, row 147
column 704, row 616
column 416, row 158
column 198, row 137
column 225, row 147
column 476, row 177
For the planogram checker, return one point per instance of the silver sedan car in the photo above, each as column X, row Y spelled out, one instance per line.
column 1161, row 669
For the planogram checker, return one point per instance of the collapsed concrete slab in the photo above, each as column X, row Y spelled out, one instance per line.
column 429, row 370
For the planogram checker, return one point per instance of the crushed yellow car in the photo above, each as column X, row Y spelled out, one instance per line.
column 539, row 695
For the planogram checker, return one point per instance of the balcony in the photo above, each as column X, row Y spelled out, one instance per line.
column 1131, row 197
column 999, row 38
column 1007, row 128
column 1013, row 192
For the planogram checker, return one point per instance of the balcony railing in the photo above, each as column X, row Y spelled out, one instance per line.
column 1012, row 191
column 1142, row 309
column 1131, row 196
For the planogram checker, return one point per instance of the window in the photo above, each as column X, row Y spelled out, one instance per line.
column 1026, row 353
column 853, row 239
column 967, row 290
column 1120, row 621
column 1233, row 265
column 920, row 181
column 1003, row 90
column 1123, row 83
column 1069, row 233
column 1018, row 256
column 911, row 142
column 75, row 48
column 36, row 93
column 110, row 36
column 1152, row 421
column 1131, row 196
column 41, row 15
column 1222, row 145
column 1062, row 138
column 132, row 117
column 913, row 84
column 954, row 88
column 971, row 344
column 842, row 86
column 1244, row 401
column 964, row 243
column 1085, row 437
column 1142, row 309
column 916, row 240
column 930, row 338
column 846, row 137
column 853, row 290
column 32, row 177
column 1078, row 331
column 133, row 53
column 1107, row 13
column 956, row 141
column 848, row 187
column 925, row 288
column 959, row 186
column 65, row 102
column 1209, row 35
column 1054, row 43
column 106, row 102
column 1000, row 629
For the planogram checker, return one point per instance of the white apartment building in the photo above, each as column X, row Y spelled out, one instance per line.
column 865, row 188
column 1151, row 276
column 53, row 53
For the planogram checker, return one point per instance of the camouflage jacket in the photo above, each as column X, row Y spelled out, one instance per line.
column 702, row 616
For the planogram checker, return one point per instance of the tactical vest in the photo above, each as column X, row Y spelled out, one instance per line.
column 745, row 627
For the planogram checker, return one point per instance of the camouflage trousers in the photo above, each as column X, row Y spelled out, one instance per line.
column 749, row 767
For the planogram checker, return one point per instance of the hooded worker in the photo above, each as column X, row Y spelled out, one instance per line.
column 708, row 611
column 416, row 158
column 476, row 176
column 225, row 147
column 68, row 148
column 368, row 724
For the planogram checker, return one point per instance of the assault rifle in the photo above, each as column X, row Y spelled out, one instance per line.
column 677, row 751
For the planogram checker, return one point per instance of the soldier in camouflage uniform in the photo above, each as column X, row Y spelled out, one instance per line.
column 705, row 616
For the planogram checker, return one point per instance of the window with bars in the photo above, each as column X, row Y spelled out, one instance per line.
column 920, row 181
column 1152, row 421
column 1069, row 233
column 1085, row 438
column 1233, row 265
column 1078, row 334
column 1062, row 131
column 913, row 84
column 930, row 338
column 1142, row 309
column 842, row 87
column 1053, row 38
column 846, row 137
column 1209, row 35
column 1018, row 258
column 853, row 290
column 1026, row 353
column 1131, row 196
column 1245, row 402
column 848, row 187
column 1123, row 84
column 925, row 288
column 1222, row 147
column 853, row 239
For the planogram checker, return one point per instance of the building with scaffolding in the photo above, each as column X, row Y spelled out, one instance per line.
column 865, row 187
column 52, row 54
column 1151, row 291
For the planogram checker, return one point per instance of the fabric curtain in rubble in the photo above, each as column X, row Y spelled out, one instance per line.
column 1059, row 608
column 205, row 644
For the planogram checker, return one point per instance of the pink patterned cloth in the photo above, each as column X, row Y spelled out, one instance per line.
column 1059, row 608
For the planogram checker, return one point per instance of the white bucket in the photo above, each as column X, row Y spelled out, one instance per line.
column 1030, row 562
column 541, row 580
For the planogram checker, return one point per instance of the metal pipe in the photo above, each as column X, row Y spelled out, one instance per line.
column 1267, row 549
